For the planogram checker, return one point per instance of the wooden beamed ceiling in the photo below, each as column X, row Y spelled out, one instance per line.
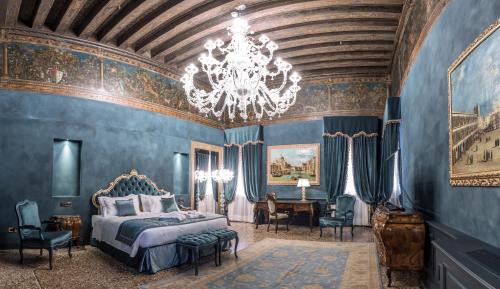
column 319, row 38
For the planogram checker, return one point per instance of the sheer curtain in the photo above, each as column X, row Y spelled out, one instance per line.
column 361, row 210
column 240, row 209
column 396, row 189
column 207, row 205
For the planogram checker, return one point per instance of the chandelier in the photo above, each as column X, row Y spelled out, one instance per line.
column 239, row 79
column 223, row 175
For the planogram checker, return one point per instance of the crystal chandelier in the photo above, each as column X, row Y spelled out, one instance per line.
column 222, row 175
column 239, row 80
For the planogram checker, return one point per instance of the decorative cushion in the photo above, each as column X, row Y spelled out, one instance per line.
column 224, row 233
column 152, row 203
column 169, row 204
column 125, row 207
column 197, row 240
column 108, row 205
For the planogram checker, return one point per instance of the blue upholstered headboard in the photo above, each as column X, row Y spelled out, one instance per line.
column 126, row 184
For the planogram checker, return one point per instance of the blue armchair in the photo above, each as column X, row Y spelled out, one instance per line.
column 31, row 234
column 343, row 217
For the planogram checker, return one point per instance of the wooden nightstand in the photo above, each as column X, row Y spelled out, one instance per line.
column 71, row 223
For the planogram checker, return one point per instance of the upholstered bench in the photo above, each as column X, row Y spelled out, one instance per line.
column 225, row 235
column 196, row 242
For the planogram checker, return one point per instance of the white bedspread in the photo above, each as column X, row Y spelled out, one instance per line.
column 106, row 228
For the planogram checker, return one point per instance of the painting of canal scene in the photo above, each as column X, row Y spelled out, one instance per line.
column 287, row 163
column 474, row 87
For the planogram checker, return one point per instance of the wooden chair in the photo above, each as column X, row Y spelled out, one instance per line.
column 273, row 212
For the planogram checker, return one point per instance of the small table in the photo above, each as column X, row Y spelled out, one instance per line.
column 309, row 206
column 70, row 223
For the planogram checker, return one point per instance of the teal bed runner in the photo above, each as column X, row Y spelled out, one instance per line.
column 129, row 230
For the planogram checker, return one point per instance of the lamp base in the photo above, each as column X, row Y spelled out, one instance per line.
column 303, row 194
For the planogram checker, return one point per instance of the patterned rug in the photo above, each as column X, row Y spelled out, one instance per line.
column 277, row 263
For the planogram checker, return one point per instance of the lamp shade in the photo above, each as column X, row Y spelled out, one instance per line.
column 304, row 183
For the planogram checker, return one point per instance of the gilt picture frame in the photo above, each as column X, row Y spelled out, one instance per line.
column 287, row 163
column 474, row 112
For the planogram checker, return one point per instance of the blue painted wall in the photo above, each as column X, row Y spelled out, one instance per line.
column 114, row 140
column 424, row 127
column 301, row 132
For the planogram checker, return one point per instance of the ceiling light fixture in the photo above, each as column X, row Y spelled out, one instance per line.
column 239, row 80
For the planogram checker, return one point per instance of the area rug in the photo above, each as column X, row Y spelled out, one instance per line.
column 277, row 263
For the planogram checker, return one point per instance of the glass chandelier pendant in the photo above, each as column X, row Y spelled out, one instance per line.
column 239, row 80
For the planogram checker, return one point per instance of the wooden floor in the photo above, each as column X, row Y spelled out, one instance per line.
column 90, row 268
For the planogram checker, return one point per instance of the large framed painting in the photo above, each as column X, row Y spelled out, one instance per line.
column 474, row 112
column 286, row 164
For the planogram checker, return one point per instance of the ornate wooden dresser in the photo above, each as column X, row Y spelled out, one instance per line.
column 70, row 223
column 400, row 238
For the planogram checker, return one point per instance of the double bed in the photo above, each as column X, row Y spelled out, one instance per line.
column 146, row 241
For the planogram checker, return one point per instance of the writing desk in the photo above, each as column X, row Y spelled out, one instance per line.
column 309, row 206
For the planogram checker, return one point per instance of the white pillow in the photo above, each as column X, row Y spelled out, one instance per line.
column 108, row 205
column 153, row 203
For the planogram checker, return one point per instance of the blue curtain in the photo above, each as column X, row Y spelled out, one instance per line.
column 389, row 146
column 214, row 160
column 336, row 150
column 201, row 164
column 364, row 131
column 250, row 138
column 252, row 171
column 231, row 163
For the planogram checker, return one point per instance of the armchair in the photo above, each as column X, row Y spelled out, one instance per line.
column 343, row 217
column 31, row 234
column 274, row 214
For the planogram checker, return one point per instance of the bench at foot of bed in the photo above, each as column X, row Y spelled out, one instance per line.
column 196, row 242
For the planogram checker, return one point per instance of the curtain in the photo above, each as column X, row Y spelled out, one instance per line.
column 390, row 144
column 240, row 209
column 395, row 196
column 361, row 209
column 231, row 162
column 335, row 155
column 214, row 160
column 364, row 160
column 202, row 163
column 252, row 170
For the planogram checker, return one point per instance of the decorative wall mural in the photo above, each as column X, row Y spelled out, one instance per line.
column 129, row 80
column 287, row 163
column 340, row 98
column 421, row 16
column 474, row 112
column 1, row 59
column 50, row 64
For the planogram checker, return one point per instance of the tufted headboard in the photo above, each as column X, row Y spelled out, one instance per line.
column 126, row 184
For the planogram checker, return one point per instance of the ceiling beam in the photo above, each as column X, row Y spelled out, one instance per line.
column 260, row 13
column 175, row 44
column 10, row 12
column 98, row 16
column 41, row 13
column 165, row 18
column 125, row 16
column 69, row 16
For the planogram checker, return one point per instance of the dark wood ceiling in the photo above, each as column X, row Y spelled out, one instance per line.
column 320, row 38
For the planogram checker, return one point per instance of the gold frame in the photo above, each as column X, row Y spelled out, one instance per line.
column 316, row 146
column 211, row 148
column 133, row 173
column 490, row 178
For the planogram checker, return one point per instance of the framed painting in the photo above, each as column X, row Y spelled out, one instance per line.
column 286, row 164
column 474, row 112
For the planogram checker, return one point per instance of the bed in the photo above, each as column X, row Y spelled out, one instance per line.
column 146, row 241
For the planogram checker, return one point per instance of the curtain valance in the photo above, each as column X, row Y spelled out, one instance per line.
column 351, row 126
column 243, row 135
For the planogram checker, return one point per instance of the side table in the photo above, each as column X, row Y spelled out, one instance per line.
column 71, row 223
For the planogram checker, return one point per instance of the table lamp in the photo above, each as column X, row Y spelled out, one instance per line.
column 303, row 183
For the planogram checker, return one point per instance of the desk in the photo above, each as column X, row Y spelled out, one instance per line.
column 309, row 206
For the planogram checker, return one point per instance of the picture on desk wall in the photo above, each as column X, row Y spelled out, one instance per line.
column 286, row 164
column 474, row 112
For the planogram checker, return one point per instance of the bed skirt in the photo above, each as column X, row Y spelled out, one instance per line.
column 153, row 259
